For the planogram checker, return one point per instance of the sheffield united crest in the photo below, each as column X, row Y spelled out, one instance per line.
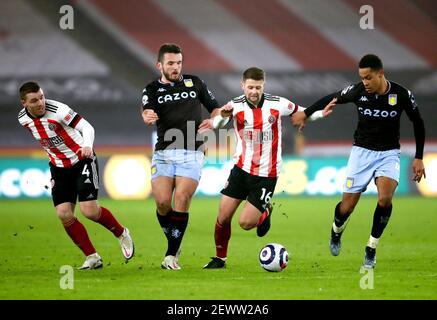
column 272, row 119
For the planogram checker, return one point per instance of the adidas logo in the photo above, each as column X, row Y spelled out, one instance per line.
column 363, row 98
column 87, row 180
column 161, row 90
column 90, row 196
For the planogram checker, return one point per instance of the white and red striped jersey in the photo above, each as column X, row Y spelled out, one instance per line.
column 56, row 132
column 258, row 133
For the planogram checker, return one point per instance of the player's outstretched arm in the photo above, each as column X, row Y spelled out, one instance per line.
column 298, row 120
column 218, row 119
column 329, row 107
column 226, row 110
column 207, row 124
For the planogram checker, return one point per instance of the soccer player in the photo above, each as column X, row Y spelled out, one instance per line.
column 68, row 140
column 257, row 123
column 376, row 149
column 174, row 102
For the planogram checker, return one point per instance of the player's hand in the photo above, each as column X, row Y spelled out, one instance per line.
column 298, row 120
column 418, row 170
column 205, row 126
column 328, row 109
column 149, row 117
column 226, row 111
column 85, row 152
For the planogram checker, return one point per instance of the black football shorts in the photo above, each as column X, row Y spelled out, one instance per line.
column 81, row 180
column 257, row 190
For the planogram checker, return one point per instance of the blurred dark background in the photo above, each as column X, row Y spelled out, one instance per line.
column 309, row 48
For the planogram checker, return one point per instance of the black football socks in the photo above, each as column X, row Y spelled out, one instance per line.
column 339, row 219
column 178, row 222
column 380, row 220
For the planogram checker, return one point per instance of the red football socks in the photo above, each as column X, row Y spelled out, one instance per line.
column 78, row 234
column 222, row 235
column 107, row 220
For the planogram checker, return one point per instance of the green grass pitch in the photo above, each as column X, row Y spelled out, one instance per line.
column 34, row 246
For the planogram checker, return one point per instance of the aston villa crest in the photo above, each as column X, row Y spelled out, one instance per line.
column 188, row 83
column 392, row 99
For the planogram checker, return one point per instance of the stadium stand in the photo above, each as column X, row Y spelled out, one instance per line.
column 31, row 46
column 308, row 48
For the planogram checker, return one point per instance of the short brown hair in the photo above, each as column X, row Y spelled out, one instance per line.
column 254, row 73
column 168, row 48
column 28, row 87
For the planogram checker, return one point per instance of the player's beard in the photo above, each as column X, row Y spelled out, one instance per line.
column 254, row 100
column 171, row 77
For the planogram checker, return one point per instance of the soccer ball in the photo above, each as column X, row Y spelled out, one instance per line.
column 273, row 257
